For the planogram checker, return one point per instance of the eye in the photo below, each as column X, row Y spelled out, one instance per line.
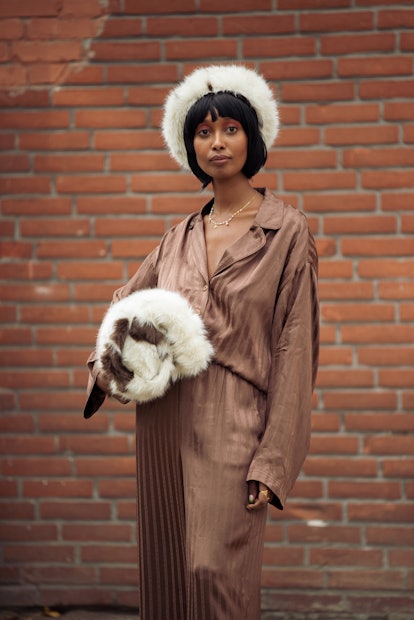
column 231, row 129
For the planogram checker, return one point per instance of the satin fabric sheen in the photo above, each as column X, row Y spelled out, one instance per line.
column 247, row 417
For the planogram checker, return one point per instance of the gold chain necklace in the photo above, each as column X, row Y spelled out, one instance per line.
column 227, row 222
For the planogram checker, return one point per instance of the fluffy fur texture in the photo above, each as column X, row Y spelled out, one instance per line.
column 149, row 340
column 216, row 78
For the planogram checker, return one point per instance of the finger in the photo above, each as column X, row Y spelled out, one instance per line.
column 252, row 491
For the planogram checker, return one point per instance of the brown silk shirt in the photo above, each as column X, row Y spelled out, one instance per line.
column 260, row 308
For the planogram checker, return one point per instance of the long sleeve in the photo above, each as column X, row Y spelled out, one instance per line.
column 295, row 346
column 145, row 277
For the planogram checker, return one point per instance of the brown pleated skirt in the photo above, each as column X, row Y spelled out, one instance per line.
column 200, row 550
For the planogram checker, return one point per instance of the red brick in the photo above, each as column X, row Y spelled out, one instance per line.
column 32, row 532
column 93, row 8
column 370, row 158
column 76, row 511
column 86, row 74
column 365, row 490
column 389, row 444
column 53, row 314
column 317, row 91
column 91, row 444
column 386, row 89
column 40, row 51
column 98, row 292
column 11, row 29
column 296, row 70
column 385, row 268
column 108, row 532
column 351, row 557
column 21, row 423
column 397, row 201
column 378, row 333
column 346, row 290
column 118, row 27
column 349, row 43
column 108, row 554
column 324, row 534
column 65, row 335
column 36, row 553
column 339, row 202
column 406, row 41
column 341, row 113
column 26, row 8
column 400, row 111
column 101, row 270
column 296, row 158
column 294, row 181
column 398, row 468
column 342, row 378
column 162, row 6
column 116, row 51
column 366, row 580
column 54, row 228
column 396, row 18
column 131, row 140
column 193, row 49
column 386, row 356
column 8, row 488
column 337, row 136
column 290, row 578
column 134, row 248
column 336, row 21
column 36, row 206
column 360, row 224
column 57, row 488
column 17, row 511
column 146, row 74
column 381, row 65
column 55, row 29
column 90, row 184
column 30, row 270
column 332, row 444
column 96, row 97
column 72, row 422
column 181, row 26
column 382, row 246
column 110, row 118
column 340, row 467
column 374, row 512
column 50, row 119
column 360, row 400
column 351, row 312
column 234, row 6
column 126, row 227
column 37, row 466
column 387, row 535
column 164, row 183
column 142, row 161
column 335, row 269
column 110, row 205
column 122, row 489
column 24, row 185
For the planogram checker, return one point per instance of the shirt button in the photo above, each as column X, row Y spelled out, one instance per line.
column 205, row 287
column 197, row 310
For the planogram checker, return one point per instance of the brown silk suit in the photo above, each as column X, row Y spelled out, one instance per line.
column 247, row 417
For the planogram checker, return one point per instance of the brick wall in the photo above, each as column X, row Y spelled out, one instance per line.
column 87, row 190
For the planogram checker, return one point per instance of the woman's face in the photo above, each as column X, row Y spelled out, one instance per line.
column 220, row 147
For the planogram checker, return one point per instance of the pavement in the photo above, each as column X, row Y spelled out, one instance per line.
column 73, row 614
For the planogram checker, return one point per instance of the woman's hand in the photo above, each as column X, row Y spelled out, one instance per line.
column 103, row 384
column 259, row 495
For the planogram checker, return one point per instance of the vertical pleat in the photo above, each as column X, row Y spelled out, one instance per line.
column 200, row 549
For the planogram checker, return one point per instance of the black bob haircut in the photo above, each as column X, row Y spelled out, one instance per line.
column 227, row 105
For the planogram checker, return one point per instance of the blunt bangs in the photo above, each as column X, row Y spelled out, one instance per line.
column 226, row 105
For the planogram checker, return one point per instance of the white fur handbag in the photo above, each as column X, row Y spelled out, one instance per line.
column 149, row 340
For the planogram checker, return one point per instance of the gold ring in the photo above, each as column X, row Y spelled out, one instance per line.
column 266, row 492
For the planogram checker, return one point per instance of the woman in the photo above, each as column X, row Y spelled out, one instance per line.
column 217, row 448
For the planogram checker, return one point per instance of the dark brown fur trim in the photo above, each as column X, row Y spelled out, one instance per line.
column 146, row 332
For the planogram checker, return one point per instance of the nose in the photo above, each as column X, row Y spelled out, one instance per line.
column 218, row 140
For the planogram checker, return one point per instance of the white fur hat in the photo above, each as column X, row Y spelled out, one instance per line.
column 213, row 79
column 148, row 340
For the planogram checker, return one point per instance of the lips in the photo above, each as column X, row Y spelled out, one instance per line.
column 219, row 158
